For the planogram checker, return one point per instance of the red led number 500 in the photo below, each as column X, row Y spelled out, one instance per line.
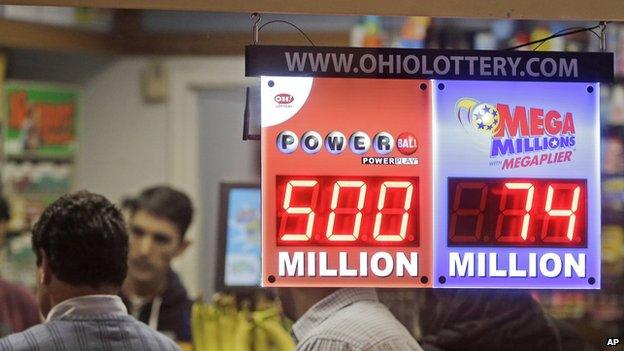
column 374, row 209
column 308, row 211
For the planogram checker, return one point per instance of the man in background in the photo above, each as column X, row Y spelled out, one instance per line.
column 153, row 293
column 18, row 307
column 81, row 244
column 488, row 320
column 343, row 319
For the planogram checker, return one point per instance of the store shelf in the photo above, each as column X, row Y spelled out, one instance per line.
column 27, row 35
column 39, row 158
column 12, row 233
column 222, row 43
column 38, row 194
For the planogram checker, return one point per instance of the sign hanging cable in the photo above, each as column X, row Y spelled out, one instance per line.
column 256, row 28
column 562, row 33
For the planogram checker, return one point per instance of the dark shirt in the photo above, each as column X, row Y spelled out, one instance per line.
column 484, row 320
column 174, row 316
column 18, row 308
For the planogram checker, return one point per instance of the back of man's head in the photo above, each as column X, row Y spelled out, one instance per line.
column 167, row 203
column 84, row 239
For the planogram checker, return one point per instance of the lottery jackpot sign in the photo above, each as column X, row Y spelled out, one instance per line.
column 344, row 196
column 420, row 168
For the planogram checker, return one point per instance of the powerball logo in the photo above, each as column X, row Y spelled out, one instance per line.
column 518, row 136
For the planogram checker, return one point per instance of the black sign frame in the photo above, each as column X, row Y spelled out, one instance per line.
column 391, row 63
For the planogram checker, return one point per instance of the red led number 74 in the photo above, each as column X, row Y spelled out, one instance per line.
column 477, row 212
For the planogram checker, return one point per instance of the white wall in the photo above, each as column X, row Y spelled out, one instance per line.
column 126, row 144
column 122, row 139
column 187, row 78
column 223, row 157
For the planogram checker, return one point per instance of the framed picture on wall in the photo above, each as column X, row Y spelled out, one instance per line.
column 40, row 119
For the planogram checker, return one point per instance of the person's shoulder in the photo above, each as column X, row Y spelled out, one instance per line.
column 320, row 342
column 338, row 343
column 37, row 337
column 363, row 314
column 164, row 343
column 366, row 325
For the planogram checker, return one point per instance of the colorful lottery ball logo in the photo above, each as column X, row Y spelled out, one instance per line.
column 359, row 142
column 287, row 142
column 485, row 118
column 383, row 143
column 311, row 142
column 335, row 142
column 406, row 143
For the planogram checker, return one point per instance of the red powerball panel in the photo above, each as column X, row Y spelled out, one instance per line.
column 346, row 182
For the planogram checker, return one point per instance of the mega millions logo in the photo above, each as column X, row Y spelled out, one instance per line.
column 523, row 136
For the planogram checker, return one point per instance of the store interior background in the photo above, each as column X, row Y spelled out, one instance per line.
column 164, row 103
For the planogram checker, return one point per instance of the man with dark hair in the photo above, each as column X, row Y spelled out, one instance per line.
column 81, row 246
column 18, row 307
column 153, row 293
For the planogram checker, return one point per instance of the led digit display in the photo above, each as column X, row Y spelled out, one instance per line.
column 517, row 212
column 347, row 211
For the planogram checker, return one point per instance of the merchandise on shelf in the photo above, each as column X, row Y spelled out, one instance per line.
column 39, row 138
column 40, row 120
column 616, row 116
column 613, row 162
column 413, row 32
column 368, row 32
column 26, row 211
column 619, row 49
column 44, row 177
column 17, row 260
